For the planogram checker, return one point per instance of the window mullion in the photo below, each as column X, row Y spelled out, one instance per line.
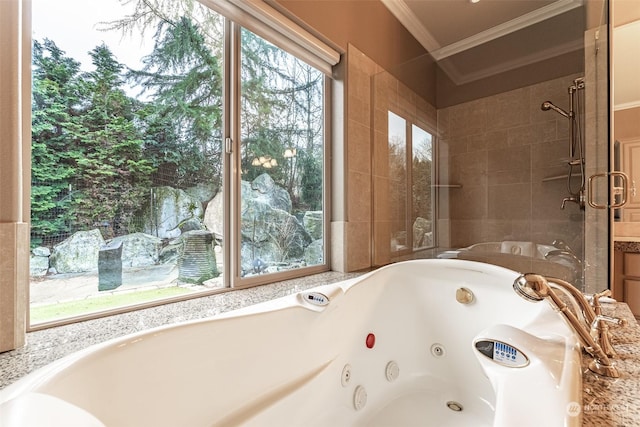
column 234, row 189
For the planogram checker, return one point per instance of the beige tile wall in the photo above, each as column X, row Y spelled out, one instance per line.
column 500, row 150
column 358, row 218
column 14, row 275
column 15, row 122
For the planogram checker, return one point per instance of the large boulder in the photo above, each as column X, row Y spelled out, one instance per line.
column 78, row 253
column 261, row 222
column 214, row 215
column 312, row 221
column 139, row 249
column 258, row 196
column 314, row 253
column 39, row 261
column 422, row 235
column 170, row 207
column 270, row 236
column 191, row 224
column 203, row 191
column 266, row 190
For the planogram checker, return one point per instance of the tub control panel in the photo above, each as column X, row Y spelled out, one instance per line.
column 315, row 298
column 502, row 353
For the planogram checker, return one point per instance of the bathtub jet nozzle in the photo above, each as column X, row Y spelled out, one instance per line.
column 534, row 287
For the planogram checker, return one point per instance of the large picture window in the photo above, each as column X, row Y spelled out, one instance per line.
column 132, row 170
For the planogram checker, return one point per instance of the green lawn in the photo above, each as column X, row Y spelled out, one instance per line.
column 50, row 312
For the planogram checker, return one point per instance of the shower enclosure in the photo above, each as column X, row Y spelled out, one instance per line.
column 520, row 153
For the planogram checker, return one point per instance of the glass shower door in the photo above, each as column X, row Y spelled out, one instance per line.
column 514, row 148
column 596, row 263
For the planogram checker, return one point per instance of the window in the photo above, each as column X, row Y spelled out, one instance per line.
column 282, row 161
column 398, row 182
column 132, row 173
column 411, row 189
column 422, row 206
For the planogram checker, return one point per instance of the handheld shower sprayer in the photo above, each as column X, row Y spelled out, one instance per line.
column 575, row 114
column 548, row 105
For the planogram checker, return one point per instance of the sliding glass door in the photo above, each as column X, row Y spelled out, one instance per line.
column 134, row 158
column 282, row 165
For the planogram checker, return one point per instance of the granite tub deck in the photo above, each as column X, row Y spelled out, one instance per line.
column 606, row 401
column 615, row 401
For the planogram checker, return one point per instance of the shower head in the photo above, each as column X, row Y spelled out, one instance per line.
column 531, row 287
column 548, row 105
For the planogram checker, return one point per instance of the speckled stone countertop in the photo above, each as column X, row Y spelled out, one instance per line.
column 615, row 401
column 626, row 246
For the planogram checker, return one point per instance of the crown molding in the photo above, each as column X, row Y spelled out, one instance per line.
column 524, row 21
column 459, row 78
column 408, row 19
column 626, row 105
column 403, row 13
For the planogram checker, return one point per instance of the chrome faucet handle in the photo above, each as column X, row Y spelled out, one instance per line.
column 596, row 324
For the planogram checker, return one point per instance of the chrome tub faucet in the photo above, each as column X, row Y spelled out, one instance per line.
column 593, row 333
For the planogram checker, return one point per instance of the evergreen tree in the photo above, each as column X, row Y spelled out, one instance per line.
column 114, row 175
column 282, row 100
column 311, row 183
column 184, row 79
column 56, row 103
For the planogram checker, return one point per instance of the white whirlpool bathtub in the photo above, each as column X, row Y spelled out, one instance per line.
column 390, row 348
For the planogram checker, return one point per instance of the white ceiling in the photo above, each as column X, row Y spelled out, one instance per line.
column 472, row 41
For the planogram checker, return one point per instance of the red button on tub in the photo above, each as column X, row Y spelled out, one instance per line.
column 370, row 341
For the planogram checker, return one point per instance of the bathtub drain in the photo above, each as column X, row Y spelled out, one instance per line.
column 454, row 406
